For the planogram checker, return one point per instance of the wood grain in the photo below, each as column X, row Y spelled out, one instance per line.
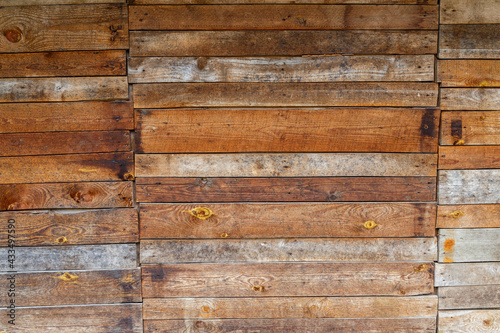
column 469, row 245
column 468, row 73
column 469, row 11
column 468, row 216
column 282, row 69
column 66, row 195
column 75, row 288
column 469, row 186
column 72, row 227
column 286, row 279
column 467, row 274
column 276, row 43
column 176, row 95
column 223, row 2
column 57, row 2
column 469, row 157
column 470, row 99
column 476, row 41
column 269, row 220
column 286, row 189
column 487, row 321
column 474, row 128
column 63, row 28
column 287, row 130
column 469, row 297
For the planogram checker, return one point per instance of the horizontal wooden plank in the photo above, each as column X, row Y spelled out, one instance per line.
column 77, row 257
column 469, row 187
column 57, row 2
column 282, row 69
column 469, row 245
column 74, row 288
column 286, row 189
column 290, row 307
column 469, row 297
column 468, row 73
column 487, row 321
column 275, row 43
column 469, row 157
column 72, row 227
column 468, row 216
column 288, row 250
column 284, row 165
column 19, row 144
column 223, row 2
column 470, row 128
column 470, row 98
column 123, row 318
column 64, row 28
column 275, row 220
column 287, row 279
column 75, row 116
column 76, row 63
column 63, row 89
column 66, row 195
column 469, row 11
column 467, row 274
column 289, row 130
column 67, row 168
column 282, row 17
column 174, row 95
column 478, row 41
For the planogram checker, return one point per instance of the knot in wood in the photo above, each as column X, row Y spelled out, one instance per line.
column 370, row 224
column 201, row 213
column 13, row 35
column 456, row 214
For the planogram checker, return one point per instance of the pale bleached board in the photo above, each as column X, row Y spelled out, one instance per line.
column 484, row 321
column 469, row 187
column 469, row 11
column 472, row 41
column 469, row 157
column 473, row 128
column 469, row 245
column 468, row 216
column 469, row 297
column 468, row 73
column 467, row 274
column 282, row 69
column 470, row 98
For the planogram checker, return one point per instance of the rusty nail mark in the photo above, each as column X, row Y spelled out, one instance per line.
column 67, row 277
column 224, row 235
column 201, row 213
column 447, row 259
column 61, row 240
column 205, row 309
column 456, row 214
column 13, row 35
column 370, row 224
column 482, row 117
column 459, row 143
column 448, row 245
column 129, row 176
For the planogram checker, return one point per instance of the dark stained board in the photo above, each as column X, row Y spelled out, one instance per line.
column 469, row 297
column 470, row 128
column 59, row 2
column 486, row 321
column 470, row 98
column 469, row 73
column 469, row 187
column 467, row 274
column 469, row 11
column 469, row 157
column 469, row 245
column 468, row 216
column 473, row 41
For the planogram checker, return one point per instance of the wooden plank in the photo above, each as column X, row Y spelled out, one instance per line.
column 77, row 63
column 469, row 157
column 72, row 227
column 469, row 187
column 290, row 307
column 64, row 28
column 473, row 128
column 223, row 2
column 67, row 168
column 76, row 116
column 469, row 297
column 274, row 220
column 476, row 41
column 468, row 216
column 468, row 73
column 287, row 130
column 487, row 321
column 287, row 279
column 275, row 43
column 470, row 99
column 467, row 274
column 123, row 318
column 288, row 250
column 19, row 144
column 57, row 2
column 286, row 189
column 63, row 89
column 74, row 288
column 174, row 95
column 469, row 11
column 285, row 165
column 282, row 17
column 469, row 245
column 66, row 195
column 77, row 257
column 282, row 69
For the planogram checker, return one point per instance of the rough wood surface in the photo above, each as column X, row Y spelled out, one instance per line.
column 469, row 11
column 63, row 89
column 57, row 2
column 175, row 95
column 285, row 165
column 282, row 69
column 76, row 116
column 469, row 245
column 288, row 220
column 275, row 43
column 287, row 279
column 77, row 257
column 468, row 73
column 66, row 195
column 223, row 2
column 470, row 98
column 282, row 17
column 477, row 41
column 468, row 216
column 64, row 28
column 286, row 189
column 74, row 288
column 287, row 130
column 469, row 157
column 474, row 128
column 469, row 187
column 72, row 227
column 467, row 274
column 469, row 297
column 485, row 321
column 77, row 63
